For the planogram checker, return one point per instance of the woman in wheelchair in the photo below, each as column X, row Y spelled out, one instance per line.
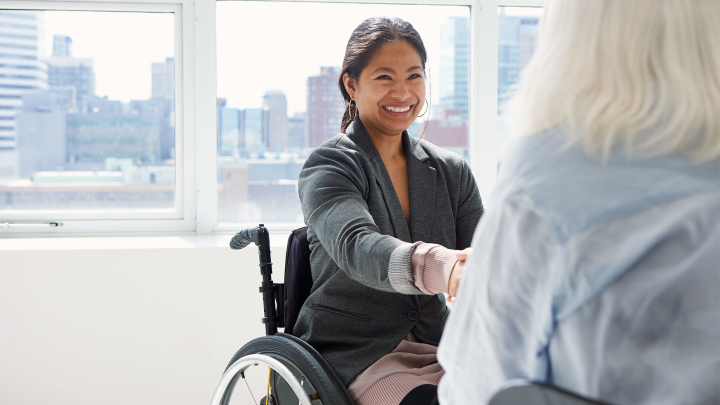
column 388, row 216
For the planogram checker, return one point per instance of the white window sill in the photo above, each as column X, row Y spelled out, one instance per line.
column 129, row 243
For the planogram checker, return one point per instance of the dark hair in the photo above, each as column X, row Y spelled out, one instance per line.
column 364, row 42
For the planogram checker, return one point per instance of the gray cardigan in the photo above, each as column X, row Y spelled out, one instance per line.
column 353, row 315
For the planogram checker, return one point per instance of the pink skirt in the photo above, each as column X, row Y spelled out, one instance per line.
column 391, row 378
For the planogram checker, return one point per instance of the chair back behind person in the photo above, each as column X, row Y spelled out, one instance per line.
column 298, row 278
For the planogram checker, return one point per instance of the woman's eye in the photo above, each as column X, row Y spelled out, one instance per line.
column 415, row 76
column 383, row 77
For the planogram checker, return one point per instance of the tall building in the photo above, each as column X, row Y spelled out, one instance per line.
column 325, row 107
column 163, row 79
column 66, row 70
column 450, row 132
column 517, row 41
column 41, row 130
column 163, row 94
column 21, row 70
column 229, row 131
column 92, row 138
column 455, row 65
column 62, row 45
column 255, row 128
column 53, row 99
column 296, row 130
column 276, row 104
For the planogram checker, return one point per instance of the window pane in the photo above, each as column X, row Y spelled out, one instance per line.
column 278, row 95
column 87, row 103
column 517, row 39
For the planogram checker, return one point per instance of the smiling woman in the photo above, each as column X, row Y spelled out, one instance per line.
column 383, row 82
column 371, row 196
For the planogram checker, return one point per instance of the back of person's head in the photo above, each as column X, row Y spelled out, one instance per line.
column 643, row 73
column 364, row 42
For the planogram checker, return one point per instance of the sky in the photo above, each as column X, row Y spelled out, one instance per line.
column 297, row 39
column 123, row 46
column 260, row 45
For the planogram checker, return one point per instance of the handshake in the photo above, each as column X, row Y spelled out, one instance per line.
column 457, row 272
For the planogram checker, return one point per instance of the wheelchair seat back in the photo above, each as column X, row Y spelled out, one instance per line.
column 298, row 277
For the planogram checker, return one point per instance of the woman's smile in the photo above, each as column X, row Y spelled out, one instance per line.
column 398, row 110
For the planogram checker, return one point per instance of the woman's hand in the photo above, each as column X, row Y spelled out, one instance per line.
column 457, row 273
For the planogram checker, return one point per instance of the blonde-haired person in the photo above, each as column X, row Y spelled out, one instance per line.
column 599, row 270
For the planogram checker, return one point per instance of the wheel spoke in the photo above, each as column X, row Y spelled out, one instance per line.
column 248, row 387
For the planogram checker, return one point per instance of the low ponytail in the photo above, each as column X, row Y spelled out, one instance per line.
column 349, row 116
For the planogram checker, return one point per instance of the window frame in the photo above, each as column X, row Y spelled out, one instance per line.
column 196, row 210
column 99, row 222
column 483, row 94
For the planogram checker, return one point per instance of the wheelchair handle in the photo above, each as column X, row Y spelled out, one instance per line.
column 247, row 236
column 273, row 294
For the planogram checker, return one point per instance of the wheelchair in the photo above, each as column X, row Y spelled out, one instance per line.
column 298, row 373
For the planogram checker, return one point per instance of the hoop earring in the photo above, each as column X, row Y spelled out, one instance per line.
column 356, row 109
column 426, row 109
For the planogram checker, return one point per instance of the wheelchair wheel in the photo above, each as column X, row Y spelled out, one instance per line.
column 305, row 365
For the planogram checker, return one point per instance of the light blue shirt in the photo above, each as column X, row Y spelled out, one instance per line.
column 601, row 278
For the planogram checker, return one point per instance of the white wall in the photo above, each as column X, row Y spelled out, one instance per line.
column 124, row 321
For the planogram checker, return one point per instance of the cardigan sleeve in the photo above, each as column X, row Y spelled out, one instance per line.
column 333, row 189
column 400, row 270
column 421, row 268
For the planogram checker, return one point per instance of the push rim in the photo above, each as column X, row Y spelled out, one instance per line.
column 253, row 359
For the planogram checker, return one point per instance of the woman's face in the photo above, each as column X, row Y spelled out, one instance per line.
column 390, row 92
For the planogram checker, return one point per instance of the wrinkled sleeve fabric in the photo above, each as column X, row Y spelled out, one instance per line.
column 421, row 268
column 400, row 269
column 502, row 319
column 432, row 265
column 333, row 190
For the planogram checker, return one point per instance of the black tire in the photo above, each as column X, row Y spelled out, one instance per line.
column 301, row 362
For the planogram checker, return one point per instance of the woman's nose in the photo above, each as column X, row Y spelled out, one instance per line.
column 401, row 90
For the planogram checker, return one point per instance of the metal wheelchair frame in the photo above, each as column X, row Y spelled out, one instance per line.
column 306, row 376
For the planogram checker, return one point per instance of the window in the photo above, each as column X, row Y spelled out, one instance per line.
column 218, row 154
column 517, row 40
column 278, row 95
column 92, row 126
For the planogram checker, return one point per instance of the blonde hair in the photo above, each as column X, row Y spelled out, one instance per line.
column 643, row 73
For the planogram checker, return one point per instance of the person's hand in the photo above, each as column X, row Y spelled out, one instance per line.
column 457, row 272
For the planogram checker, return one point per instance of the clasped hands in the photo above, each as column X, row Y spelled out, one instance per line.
column 457, row 272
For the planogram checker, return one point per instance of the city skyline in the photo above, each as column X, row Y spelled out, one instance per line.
column 285, row 61
column 89, row 134
column 125, row 79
